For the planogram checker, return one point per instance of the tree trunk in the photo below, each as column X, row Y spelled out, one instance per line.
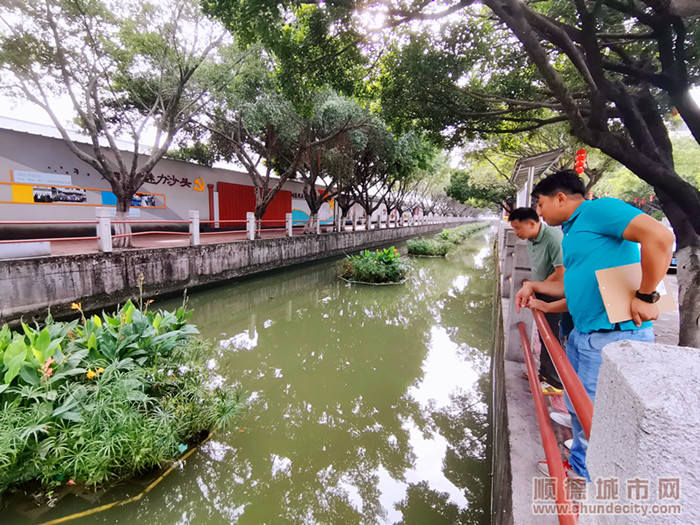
column 259, row 213
column 123, row 205
column 310, row 226
column 688, row 273
column 368, row 219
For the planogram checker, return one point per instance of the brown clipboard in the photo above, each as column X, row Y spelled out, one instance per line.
column 617, row 288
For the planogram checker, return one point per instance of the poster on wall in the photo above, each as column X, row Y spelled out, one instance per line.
column 139, row 200
column 36, row 177
column 63, row 195
column 144, row 200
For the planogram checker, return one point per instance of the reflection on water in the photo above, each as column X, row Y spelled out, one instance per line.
column 367, row 404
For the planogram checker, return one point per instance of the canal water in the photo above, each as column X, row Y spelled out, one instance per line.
column 366, row 404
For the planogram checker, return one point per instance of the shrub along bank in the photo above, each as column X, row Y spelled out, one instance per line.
column 428, row 247
column 445, row 240
column 105, row 397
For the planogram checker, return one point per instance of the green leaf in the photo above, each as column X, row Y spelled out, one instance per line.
column 157, row 320
column 128, row 312
column 67, row 373
column 137, row 396
column 29, row 332
column 42, row 342
column 5, row 337
column 58, row 356
column 30, row 375
column 68, row 406
column 72, row 415
column 51, row 395
column 15, row 355
column 97, row 320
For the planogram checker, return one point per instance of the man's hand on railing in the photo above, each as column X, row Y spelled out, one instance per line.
column 537, row 304
column 557, row 306
column 524, row 295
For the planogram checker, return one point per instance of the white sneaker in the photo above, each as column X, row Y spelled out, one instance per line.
column 568, row 443
column 570, row 473
column 561, row 418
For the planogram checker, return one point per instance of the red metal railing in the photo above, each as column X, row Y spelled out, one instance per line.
column 549, row 441
column 273, row 231
column 574, row 389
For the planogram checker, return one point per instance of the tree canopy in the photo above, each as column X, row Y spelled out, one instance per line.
column 614, row 71
column 128, row 69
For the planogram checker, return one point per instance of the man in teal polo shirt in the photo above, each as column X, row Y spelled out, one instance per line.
column 597, row 234
column 546, row 263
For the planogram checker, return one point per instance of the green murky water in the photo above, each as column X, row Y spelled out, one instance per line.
column 367, row 404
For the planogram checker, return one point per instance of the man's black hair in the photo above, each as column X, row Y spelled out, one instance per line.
column 523, row 214
column 565, row 181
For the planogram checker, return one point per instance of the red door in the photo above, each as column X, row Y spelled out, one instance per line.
column 235, row 200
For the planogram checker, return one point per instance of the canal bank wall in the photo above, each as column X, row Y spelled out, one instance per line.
column 28, row 287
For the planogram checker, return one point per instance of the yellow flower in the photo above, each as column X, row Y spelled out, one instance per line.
column 76, row 306
column 100, row 370
column 90, row 374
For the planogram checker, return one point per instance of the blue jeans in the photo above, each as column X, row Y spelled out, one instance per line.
column 584, row 353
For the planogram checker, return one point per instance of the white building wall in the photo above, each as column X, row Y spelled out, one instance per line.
column 176, row 186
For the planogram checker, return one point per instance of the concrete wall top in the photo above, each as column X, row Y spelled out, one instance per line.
column 646, row 426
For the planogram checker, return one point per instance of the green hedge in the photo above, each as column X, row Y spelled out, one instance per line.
column 105, row 397
column 459, row 234
column 428, row 247
column 445, row 240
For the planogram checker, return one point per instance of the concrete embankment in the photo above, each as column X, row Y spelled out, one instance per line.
column 28, row 287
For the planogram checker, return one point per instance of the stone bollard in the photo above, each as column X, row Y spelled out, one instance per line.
column 289, row 224
column 104, row 229
column 250, row 225
column 194, row 227
column 646, row 425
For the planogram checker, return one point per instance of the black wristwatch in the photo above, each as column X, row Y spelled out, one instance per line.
column 648, row 297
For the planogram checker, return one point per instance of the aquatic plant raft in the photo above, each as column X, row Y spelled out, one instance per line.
column 374, row 267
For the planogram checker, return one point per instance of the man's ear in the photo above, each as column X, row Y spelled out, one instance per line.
column 562, row 197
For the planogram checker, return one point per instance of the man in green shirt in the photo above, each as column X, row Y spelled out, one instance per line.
column 546, row 262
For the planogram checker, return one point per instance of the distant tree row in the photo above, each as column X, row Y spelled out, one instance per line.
column 164, row 74
column 615, row 73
